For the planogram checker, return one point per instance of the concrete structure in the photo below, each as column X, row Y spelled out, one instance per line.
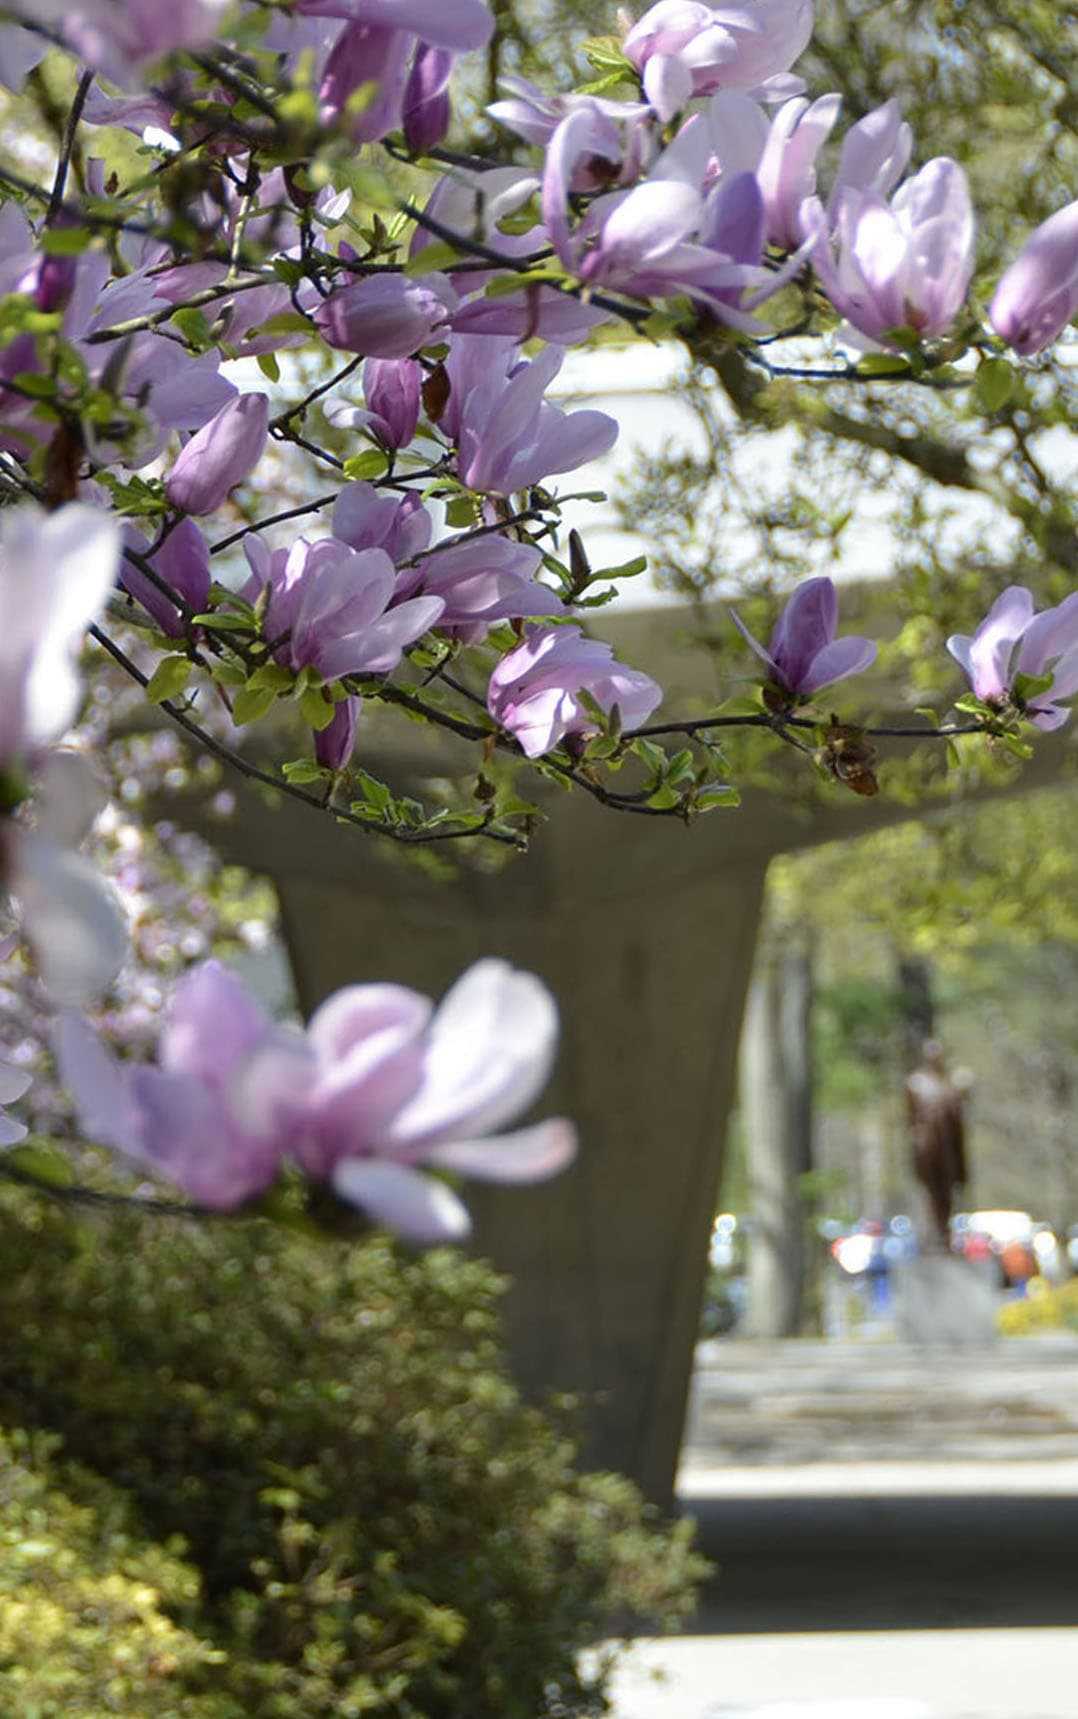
column 645, row 930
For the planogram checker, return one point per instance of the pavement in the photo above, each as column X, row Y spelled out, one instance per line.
column 895, row 1530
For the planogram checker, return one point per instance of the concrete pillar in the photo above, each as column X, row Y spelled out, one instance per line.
column 607, row 1261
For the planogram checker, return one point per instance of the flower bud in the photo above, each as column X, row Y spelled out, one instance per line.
column 426, row 98
column 391, row 388
column 333, row 745
column 386, row 316
column 220, row 455
column 1038, row 294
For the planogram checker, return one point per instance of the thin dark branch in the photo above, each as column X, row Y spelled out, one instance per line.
column 67, row 146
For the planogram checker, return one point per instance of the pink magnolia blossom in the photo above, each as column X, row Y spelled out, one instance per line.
column 1038, row 295
column 507, row 437
column 535, row 690
column 387, row 316
column 116, row 36
column 482, row 581
column 334, row 744
column 903, row 264
column 220, row 456
column 1013, row 640
column 875, row 153
column 803, row 655
column 329, row 605
column 683, row 49
column 781, row 152
column 380, row 1086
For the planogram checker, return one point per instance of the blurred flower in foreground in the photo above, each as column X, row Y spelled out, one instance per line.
column 380, row 1086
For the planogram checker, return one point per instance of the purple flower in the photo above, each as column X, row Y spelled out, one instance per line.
column 13, row 1083
column 387, row 316
column 1038, row 295
column 114, row 38
column 392, row 391
column 685, row 49
column 328, row 606
column 364, row 519
column 875, row 153
column 781, row 152
column 334, row 744
column 184, row 1119
column 803, row 655
column 220, row 455
column 1011, row 641
column 506, row 435
column 486, row 580
column 425, row 108
column 183, row 562
column 377, row 1086
column 666, row 236
column 903, row 264
column 535, row 691
column 458, row 24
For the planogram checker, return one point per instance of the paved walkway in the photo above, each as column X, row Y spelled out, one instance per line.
column 896, row 1532
column 954, row 1674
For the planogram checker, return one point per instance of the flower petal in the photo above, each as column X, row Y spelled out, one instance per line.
column 528, row 1155
column 418, row 1208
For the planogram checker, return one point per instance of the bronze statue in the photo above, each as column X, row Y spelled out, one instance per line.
column 937, row 1129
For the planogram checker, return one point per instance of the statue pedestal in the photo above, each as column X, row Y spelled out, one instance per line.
column 944, row 1302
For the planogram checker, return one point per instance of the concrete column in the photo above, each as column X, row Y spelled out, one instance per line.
column 650, row 970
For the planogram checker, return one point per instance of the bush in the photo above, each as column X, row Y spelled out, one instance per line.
column 82, row 1630
column 1042, row 1308
column 380, row 1525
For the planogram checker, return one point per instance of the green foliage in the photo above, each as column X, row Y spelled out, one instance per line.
column 84, row 1600
column 381, row 1525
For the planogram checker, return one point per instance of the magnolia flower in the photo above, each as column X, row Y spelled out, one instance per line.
column 182, row 562
column 328, row 606
column 334, row 744
column 387, row 316
column 685, row 49
column 486, row 580
column 803, row 655
column 1038, row 295
column 781, row 152
column 220, row 455
column 13, row 1083
column 1013, row 641
column 875, row 153
column 378, row 1085
column 535, row 691
column 115, row 36
column 506, row 435
column 906, row 264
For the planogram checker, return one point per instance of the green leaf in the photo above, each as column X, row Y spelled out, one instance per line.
column 436, row 256
column 169, row 678
column 375, row 793
column 273, row 677
column 285, row 322
column 625, row 570
column 994, row 384
column 714, row 795
column 223, row 623
column 250, row 703
column 49, row 1168
column 267, row 363
column 194, row 327
column 65, row 241
column 303, row 770
column 879, row 364
column 651, row 755
column 664, row 798
column 371, row 464
column 1028, row 687
column 460, row 512
column 316, row 709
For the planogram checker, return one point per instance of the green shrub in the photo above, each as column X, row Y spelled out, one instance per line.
column 381, row 1526
column 82, row 1631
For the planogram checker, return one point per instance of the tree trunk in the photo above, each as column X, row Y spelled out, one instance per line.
column 776, row 1107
